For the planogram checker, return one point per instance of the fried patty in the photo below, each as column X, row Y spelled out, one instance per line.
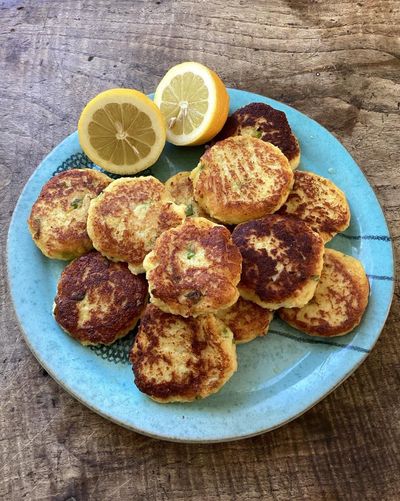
column 180, row 187
column 127, row 218
column 319, row 203
column 339, row 302
column 57, row 221
column 264, row 122
column 98, row 301
column 178, row 359
column 194, row 269
column 242, row 178
column 282, row 261
column 246, row 320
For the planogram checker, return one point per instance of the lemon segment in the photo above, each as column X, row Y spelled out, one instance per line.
column 194, row 103
column 122, row 131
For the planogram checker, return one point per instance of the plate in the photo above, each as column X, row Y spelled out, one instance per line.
column 280, row 376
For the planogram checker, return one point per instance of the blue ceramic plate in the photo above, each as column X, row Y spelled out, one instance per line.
column 279, row 376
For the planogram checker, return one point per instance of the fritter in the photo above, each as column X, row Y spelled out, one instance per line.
column 241, row 178
column 319, row 203
column 246, row 320
column 98, row 301
column 57, row 221
column 340, row 299
column 282, row 261
column 178, row 359
column 264, row 122
column 194, row 269
column 180, row 187
column 127, row 218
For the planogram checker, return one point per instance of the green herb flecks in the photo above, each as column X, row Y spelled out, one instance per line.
column 256, row 133
column 225, row 333
column 190, row 252
column 315, row 278
column 76, row 203
column 189, row 210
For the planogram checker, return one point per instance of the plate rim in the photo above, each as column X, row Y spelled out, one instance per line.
column 176, row 439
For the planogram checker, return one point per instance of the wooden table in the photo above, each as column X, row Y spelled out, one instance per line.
column 336, row 61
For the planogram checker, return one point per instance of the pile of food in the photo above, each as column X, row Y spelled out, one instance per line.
column 204, row 260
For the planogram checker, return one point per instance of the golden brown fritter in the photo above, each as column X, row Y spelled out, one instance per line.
column 127, row 218
column 319, row 203
column 246, row 320
column 57, row 221
column 178, row 359
column 180, row 187
column 282, row 261
column 99, row 301
column 264, row 122
column 241, row 178
column 339, row 302
column 194, row 269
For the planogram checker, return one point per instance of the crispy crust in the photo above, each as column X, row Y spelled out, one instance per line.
column 99, row 301
column 269, row 124
column 181, row 359
column 194, row 269
column 319, row 203
column 246, row 320
column 339, row 302
column 242, row 178
column 282, row 261
column 125, row 221
column 57, row 221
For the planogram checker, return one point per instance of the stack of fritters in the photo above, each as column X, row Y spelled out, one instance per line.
column 209, row 288
column 285, row 220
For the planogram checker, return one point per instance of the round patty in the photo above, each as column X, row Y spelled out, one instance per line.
column 127, row 218
column 319, row 203
column 194, row 269
column 58, row 218
column 266, row 123
column 178, row 359
column 340, row 299
column 98, row 301
column 282, row 261
column 180, row 187
column 246, row 320
column 241, row 178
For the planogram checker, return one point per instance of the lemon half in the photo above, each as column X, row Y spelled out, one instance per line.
column 122, row 131
column 194, row 102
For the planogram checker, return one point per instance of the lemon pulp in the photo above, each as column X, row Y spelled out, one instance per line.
column 122, row 131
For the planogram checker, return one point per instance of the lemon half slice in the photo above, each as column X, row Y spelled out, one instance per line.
column 194, row 102
column 122, row 131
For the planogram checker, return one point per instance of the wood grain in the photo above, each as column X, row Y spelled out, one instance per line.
column 336, row 61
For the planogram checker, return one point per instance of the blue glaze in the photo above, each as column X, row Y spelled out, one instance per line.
column 279, row 376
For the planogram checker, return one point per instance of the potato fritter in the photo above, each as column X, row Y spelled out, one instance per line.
column 246, row 320
column 194, row 269
column 127, row 218
column 57, row 221
column 178, row 359
column 282, row 261
column 98, row 301
column 242, row 178
column 340, row 299
column 266, row 123
column 181, row 188
column 319, row 203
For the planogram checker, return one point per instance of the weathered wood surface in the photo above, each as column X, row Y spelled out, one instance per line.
column 336, row 61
